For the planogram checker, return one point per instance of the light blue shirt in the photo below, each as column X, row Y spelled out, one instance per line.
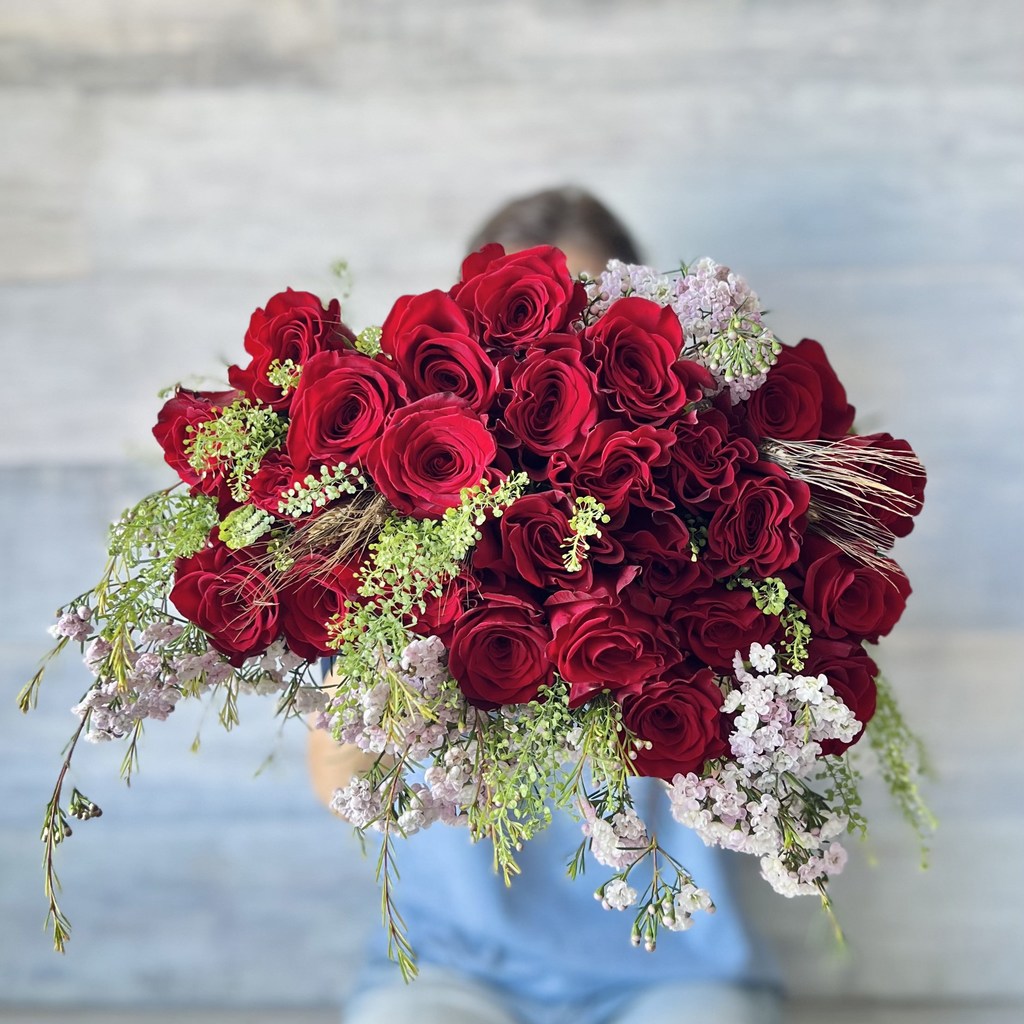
column 546, row 937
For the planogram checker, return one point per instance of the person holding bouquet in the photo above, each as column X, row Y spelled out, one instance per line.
column 543, row 950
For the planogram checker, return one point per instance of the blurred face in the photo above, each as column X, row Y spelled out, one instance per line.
column 583, row 259
column 580, row 258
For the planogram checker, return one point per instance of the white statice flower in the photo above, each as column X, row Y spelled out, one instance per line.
column 113, row 711
column 452, row 779
column 762, row 658
column 358, row 803
column 422, row 810
column 217, row 668
column 677, row 922
column 617, row 843
column 416, row 729
column 779, row 725
column 782, row 880
column 722, row 322
column 310, row 699
column 620, row 280
column 425, row 657
column 373, row 701
column 746, row 723
column 162, row 631
column 618, row 894
column 834, row 859
column 692, row 898
column 277, row 665
column 96, row 653
column 148, row 666
column 808, row 689
column 158, row 703
column 290, row 661
column 833, row 826
column 75, row 624
column 187, row 668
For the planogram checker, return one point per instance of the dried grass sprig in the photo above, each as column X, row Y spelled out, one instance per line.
column 851, row 493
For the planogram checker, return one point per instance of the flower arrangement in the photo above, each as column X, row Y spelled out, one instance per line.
column 555, row 533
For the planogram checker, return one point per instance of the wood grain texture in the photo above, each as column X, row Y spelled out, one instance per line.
column 164, row 168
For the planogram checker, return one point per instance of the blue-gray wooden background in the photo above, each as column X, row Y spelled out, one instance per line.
column 166, row 165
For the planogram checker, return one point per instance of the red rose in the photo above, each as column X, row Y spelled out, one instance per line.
column 875, row 456
column 528, row 542
column 606, row 646
column 616, row 466
column 515, row 299
column 707, row 461
column 801, row 398
column 715, row 623
column 228, row 596
column 844, row 597
column 852, row 674
column 340, row 407
column 312, row 594
column 668, row 569
column 267, row 485
column 553, row 403
column 429, row 453
column 429, row 341
column 294, row 326
column 175, row 424
column 497, row 654
column 761, row 527
column 636, row 348
column 681, row 719
column 439, row 614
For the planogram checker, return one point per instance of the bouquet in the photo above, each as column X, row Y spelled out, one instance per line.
column 554, row 533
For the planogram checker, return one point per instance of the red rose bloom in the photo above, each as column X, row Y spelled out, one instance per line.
column 429, row 341
column 852, row 674
column 716, row 623
column 439, row 614
column 668, row 570
column 227, row 595
column 497, row 654
column 761, row 527
column 515, row 299
column 801, row 398
column 707, row 461
column 681, row 720
column 295, row 326
column 429, row 453
column 553, row 403
column 527, row 542
column 604, row 646
column 176, row 421
column 340, row 407
column 267, row 485
column 844, row 597
column 616, row 466
column 636, row 348
column 312, row 594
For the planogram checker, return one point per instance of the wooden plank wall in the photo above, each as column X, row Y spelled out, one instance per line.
column 164, row 167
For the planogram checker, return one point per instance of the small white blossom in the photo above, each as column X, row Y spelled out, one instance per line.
column 762, row 658
column 75, row 624
column 617, row 895
column 779, row 725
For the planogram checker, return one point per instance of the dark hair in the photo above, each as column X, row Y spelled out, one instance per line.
column 568, row 214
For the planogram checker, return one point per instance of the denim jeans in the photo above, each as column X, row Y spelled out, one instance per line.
column 442, row 997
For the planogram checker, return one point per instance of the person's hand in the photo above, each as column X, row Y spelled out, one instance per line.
column 331, row 764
